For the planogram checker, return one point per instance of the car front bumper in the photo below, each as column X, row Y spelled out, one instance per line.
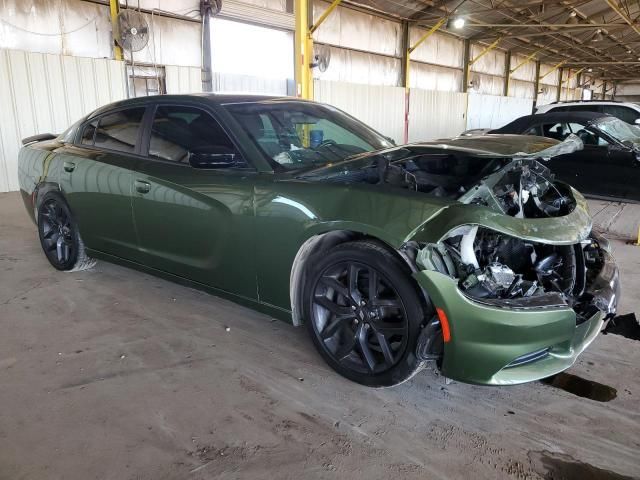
column 516, row 342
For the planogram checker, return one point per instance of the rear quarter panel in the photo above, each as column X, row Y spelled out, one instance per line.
column 38, row 172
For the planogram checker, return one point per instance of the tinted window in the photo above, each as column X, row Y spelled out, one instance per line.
column 119, row 130
column 177, row 132
column 625, row 114
column 560, row 109
column 89, row 132
column 559, row 131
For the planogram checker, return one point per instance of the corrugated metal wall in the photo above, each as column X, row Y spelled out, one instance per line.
column 489, row 111
column 363, row 102
column 42, row 93
column 183, row 79
column 434, row 114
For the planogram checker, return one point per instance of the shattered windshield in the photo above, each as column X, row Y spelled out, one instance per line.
column 294, row 134
column 619, row 130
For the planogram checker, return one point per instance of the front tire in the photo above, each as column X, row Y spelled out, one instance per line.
column 59, row 235
column 364, row 314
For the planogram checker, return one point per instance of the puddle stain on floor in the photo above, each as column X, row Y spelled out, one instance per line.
column 556, row 466
column 582, row 387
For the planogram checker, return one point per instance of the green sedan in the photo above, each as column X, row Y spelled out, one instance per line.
column 466, row 253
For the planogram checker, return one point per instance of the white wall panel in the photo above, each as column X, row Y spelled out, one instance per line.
column 359, row 67
column 234, row 83
column 183, row 79
column 492, row 62
column 381, row 107
column 41, row 93
column 551, row 77
column 527, row 71
column 66, row 27
column 439, row 48
column 521, row 89
column 346, row 27
column 547, row 94
column 171, row 42
column 434, row 115
column 432, row 77
column 490, row 111
column 487, row 84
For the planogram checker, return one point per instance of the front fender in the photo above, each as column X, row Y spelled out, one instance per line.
column 566, row 230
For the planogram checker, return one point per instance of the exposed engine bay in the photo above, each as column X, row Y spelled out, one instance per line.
column 518, row 187
column 499, row 269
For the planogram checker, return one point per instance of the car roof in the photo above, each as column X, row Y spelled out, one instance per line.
column 521, row 123
column 211, row 98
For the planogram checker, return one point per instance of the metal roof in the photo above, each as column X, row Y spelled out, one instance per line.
column 601, row 34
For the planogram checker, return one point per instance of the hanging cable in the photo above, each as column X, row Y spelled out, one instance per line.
column 2, row 20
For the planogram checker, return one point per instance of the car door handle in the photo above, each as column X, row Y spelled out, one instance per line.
column 142, row 187
column 69, row 166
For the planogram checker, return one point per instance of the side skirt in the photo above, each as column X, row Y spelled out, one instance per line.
column 268, row 309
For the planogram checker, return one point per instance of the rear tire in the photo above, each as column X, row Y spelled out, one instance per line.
column 364, row 314
column 59, row 235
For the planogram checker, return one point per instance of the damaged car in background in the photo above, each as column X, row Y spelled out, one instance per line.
column 465, row 253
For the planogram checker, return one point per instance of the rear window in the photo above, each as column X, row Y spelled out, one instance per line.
column 115, row 131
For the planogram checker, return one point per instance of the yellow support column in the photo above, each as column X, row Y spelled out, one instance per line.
column 114, row 9
column 302, row 50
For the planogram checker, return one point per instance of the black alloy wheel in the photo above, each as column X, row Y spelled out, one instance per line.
column 364, row 314
column 58, row 236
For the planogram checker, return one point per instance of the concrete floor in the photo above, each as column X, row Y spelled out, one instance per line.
column 114, row 374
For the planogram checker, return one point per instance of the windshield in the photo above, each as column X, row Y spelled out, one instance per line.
column 296, row 135
column 619, row 130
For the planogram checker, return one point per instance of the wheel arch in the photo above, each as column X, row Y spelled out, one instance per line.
column 40, row 190
column 322, row 241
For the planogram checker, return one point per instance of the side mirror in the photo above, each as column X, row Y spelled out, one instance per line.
column 214, row 157
column 637, row 121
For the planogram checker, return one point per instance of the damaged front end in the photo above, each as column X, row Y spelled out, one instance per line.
column 523, row 284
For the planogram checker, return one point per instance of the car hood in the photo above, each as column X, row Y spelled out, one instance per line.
column 401, row 214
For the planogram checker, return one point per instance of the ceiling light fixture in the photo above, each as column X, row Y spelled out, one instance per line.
column 573, row 18
column 456, row 23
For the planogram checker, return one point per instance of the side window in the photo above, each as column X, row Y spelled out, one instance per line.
column 177, row 132
column 559, row 131
column 89, row 132
column 625, row 114
column 560, row 109
column 119, row 130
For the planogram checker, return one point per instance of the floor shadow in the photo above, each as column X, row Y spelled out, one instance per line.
column 581, row 387
column 555, row 466
column 625, row 325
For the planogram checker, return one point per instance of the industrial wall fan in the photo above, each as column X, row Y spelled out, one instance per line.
column 474, row 83
column 132, row 30
column 322, row 57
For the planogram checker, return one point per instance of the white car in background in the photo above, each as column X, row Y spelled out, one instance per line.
column 626, row 111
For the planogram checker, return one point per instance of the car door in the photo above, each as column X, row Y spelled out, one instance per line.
column 97, row 177
column 588, row 170
column 196, row 223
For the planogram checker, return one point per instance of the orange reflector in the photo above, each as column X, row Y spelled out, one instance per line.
column 444, row 322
